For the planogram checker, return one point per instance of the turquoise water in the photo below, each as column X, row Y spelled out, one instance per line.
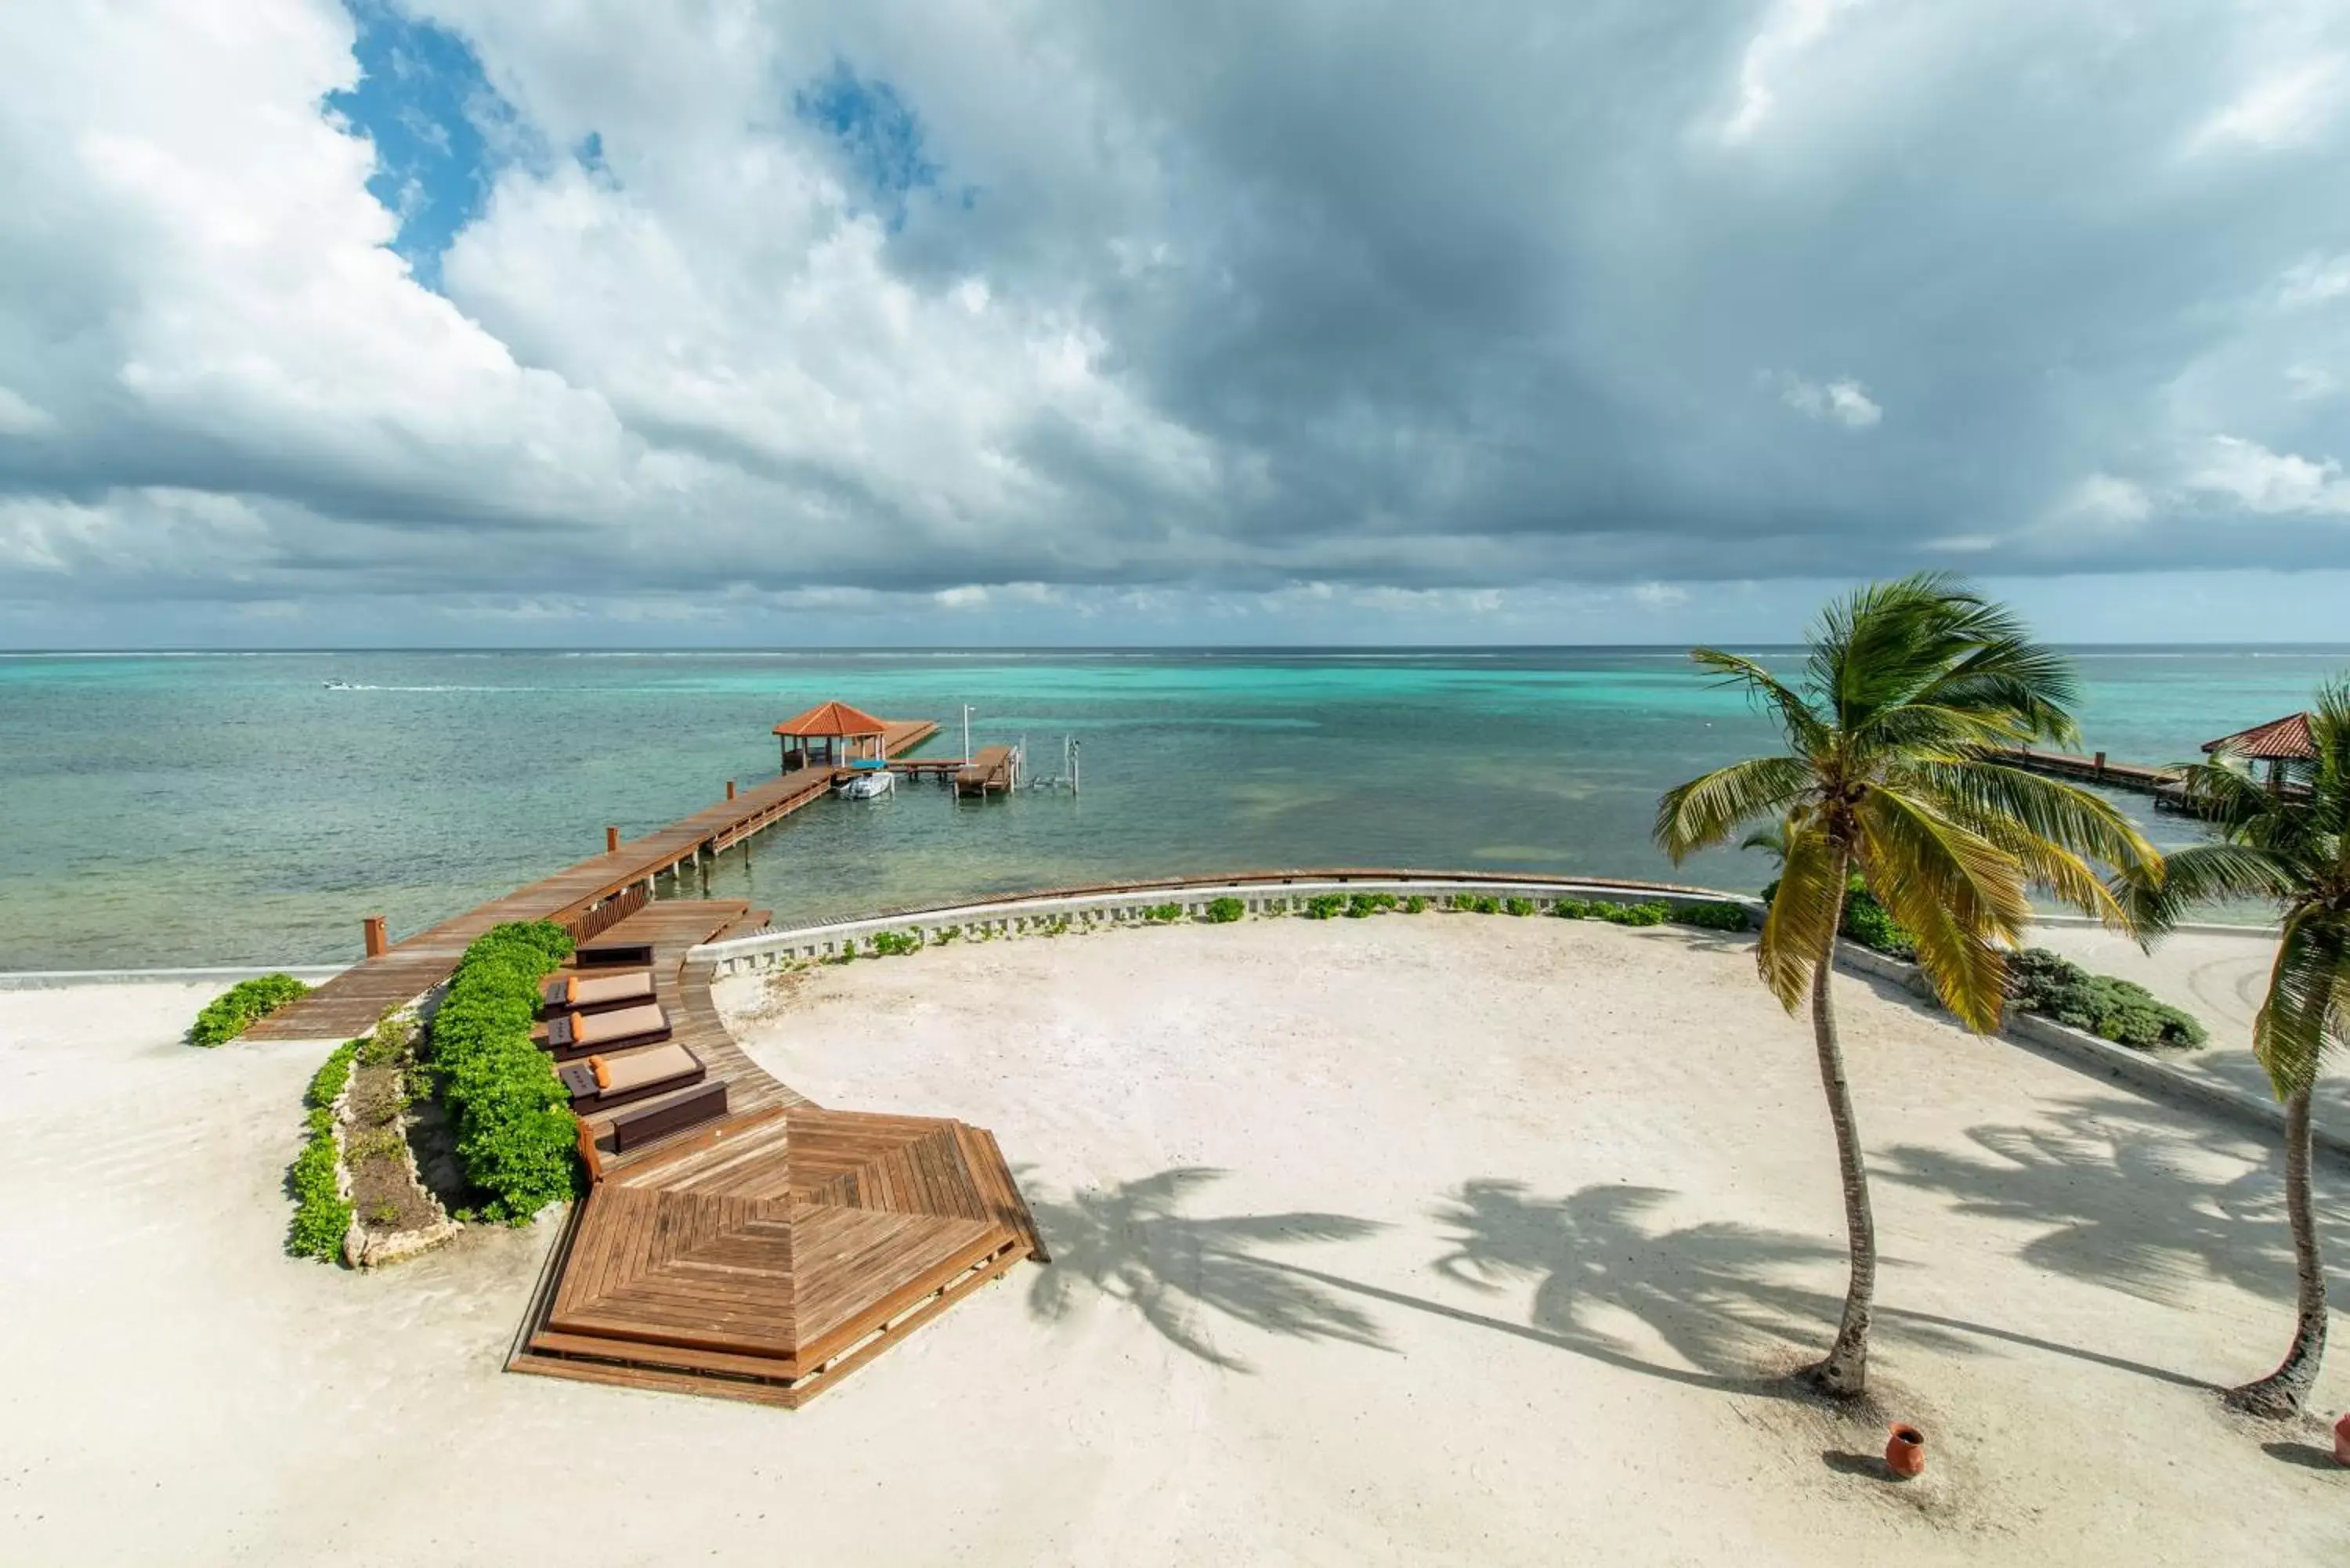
column 233, row 808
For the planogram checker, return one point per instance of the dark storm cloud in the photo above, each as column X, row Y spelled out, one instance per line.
column 1216, row 297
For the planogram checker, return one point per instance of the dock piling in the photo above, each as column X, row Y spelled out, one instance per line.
column 372, row 928
column 611, row 841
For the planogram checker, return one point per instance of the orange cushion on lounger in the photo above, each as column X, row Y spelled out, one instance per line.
column 571, row 988
column 603, row 1074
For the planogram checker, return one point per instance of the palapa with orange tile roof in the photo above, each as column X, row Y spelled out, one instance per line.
column 2288, row 739
column 832, row 718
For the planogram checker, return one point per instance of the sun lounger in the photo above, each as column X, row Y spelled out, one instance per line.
column 594, row 991
column 641, row 1125
column 602, row 1082
column 613, row 955
column 577, row 1033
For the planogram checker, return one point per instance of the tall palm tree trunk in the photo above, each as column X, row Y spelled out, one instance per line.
column 2284, row 1391
column 1845, row 1370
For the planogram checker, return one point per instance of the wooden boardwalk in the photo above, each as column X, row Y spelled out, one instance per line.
column 350, row 1003
column 765, row 1255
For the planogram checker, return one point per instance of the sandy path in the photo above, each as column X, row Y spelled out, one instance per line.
column 1511, row 1212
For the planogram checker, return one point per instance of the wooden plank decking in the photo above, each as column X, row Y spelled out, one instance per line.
column 350, row 1003
column 762, row 1256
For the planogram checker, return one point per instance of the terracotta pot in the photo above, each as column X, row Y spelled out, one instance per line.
column 2342, row 1440
column 1904, row 1452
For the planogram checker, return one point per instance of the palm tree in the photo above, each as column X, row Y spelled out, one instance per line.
column 1771, row 841
column 1911, row 690
column 2291, row 847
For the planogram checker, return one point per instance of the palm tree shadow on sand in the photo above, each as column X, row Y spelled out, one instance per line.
column 2112, row 1188
column 1719, row 1297
column 1132, row 1242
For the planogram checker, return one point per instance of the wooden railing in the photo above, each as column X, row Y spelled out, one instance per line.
column 593, row 922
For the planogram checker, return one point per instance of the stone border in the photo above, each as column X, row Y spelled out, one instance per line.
column 2146, row 1073
column 1128, row 905
column 364, row 1248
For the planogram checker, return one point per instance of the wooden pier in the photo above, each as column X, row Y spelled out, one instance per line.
column 990, row 770
column 2091, row 770
column 765, row 1254
column 587, row 897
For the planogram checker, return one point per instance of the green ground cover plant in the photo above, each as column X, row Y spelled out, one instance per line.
column 515, row 1135
column 1323, row 906
column 2118, row 1009
column 1519, row 905
column 1719, row 915
column 1164, row 914
column 242, row 1006
column 1414, row 905
column 896, row 944
column 1361, row 906
column 1224, row 911
column 321, row 1213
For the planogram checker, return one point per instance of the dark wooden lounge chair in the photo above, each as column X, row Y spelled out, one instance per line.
column 577, row 1033
column 603, row 1081
column 613, row 955
column 641, row 1125
column 594, row 991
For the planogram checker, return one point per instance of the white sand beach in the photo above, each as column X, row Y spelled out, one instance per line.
column 1445, row 1240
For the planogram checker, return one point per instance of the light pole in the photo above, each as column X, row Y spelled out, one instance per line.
column 966, row 731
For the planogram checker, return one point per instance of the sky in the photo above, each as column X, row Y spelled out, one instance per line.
column 686, row 322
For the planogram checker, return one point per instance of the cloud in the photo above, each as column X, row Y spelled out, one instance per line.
column 2261, row 480
column 1843, row 402
column 2313, row 280
column 2103, row 499
column 2285, row 108
column 452, row 307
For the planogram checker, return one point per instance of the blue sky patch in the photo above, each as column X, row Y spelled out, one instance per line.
column 878, row 133
column 440, row 131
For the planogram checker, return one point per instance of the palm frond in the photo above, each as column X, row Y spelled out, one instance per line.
column 1978, row 793
column 1804, row 913
column 2205, row 874
column 1804, row 729
column 2011, row 675
column 1958, row 894
column 1705, row 811
column 2306, row 990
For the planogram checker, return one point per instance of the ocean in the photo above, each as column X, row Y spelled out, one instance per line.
column 249, row 808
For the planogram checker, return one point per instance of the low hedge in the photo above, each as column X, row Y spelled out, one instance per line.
column 2121, row 1010
column 242, row 1006
column 322, row 1215
column 515, row 1135
column 1224, row 911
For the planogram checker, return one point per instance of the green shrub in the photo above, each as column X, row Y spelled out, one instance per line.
column 1719, row 915
column 1414, row 905
column 1519, row 905
column 1361, row 906
column 515, row 1135
column 1224, row 911
column 321, row 1214
column 242, row 1006
column 1322, row 905
column 2121, row 1010
column 1650, row 914
column 896, row 944
column 1574, row 908
column 1163, row 914
column 948, row 934
column 326, row 1083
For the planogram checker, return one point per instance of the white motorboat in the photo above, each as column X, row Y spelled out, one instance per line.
column 866, row 784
